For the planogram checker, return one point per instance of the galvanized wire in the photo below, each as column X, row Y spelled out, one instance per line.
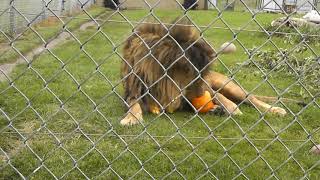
column 94, row 138
column 11, row 20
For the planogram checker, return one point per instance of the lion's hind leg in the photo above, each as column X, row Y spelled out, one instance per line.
column 232, row 91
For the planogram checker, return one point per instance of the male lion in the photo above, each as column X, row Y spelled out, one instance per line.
column 166, row 66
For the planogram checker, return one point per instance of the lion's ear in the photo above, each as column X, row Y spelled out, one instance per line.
column 183, row 31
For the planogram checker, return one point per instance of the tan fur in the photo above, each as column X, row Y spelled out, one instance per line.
column 150, row 53
column 164, row 64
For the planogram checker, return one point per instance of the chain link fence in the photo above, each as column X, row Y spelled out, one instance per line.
column 63, row 105
column 14, row 12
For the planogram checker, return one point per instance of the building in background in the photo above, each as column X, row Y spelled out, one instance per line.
column 289, row 5
column 212, row 4
column 162, row 4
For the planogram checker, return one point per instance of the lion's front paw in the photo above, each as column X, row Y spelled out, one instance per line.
column 278, row 110
column 154, row 109
column 130, row 119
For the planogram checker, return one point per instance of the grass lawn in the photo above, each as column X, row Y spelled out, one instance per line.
column 61, row 115
column 32, row 37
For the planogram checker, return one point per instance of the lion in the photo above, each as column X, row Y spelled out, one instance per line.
column 165, row 66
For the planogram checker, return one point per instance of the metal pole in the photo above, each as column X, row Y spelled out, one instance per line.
column 205, row 5
column 43, row 10
column 12, row 18
column 62, row 5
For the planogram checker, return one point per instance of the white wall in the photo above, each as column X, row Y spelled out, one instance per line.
column 212, row 3
column 273, row 5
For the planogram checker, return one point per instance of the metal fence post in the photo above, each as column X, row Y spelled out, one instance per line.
column 12, row 18
column 230, row 6
column 62, row 5
column 43, row 16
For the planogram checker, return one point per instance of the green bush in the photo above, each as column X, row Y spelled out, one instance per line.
column 306, row 70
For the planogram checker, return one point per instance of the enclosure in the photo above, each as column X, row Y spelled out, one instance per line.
column 62, row 98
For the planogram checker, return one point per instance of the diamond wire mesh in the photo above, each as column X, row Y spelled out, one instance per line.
column 34, row 9
column 43, row 136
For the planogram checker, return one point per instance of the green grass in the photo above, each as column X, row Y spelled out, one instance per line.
column 76, row 130
column 29, row 39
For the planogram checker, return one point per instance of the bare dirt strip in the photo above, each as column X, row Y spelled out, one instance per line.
column 6, row 69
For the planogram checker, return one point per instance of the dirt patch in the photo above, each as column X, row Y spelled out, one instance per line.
column 87, row 25
column 4, row 47
column 13, row 149
column 50, row 21
column 2, row 159
column 6, row 69
column 15, row 144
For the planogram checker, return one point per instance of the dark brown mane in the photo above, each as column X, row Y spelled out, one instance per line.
column 164, row 60
column 167, row 68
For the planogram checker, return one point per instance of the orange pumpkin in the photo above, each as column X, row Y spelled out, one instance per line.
column 204, row 102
